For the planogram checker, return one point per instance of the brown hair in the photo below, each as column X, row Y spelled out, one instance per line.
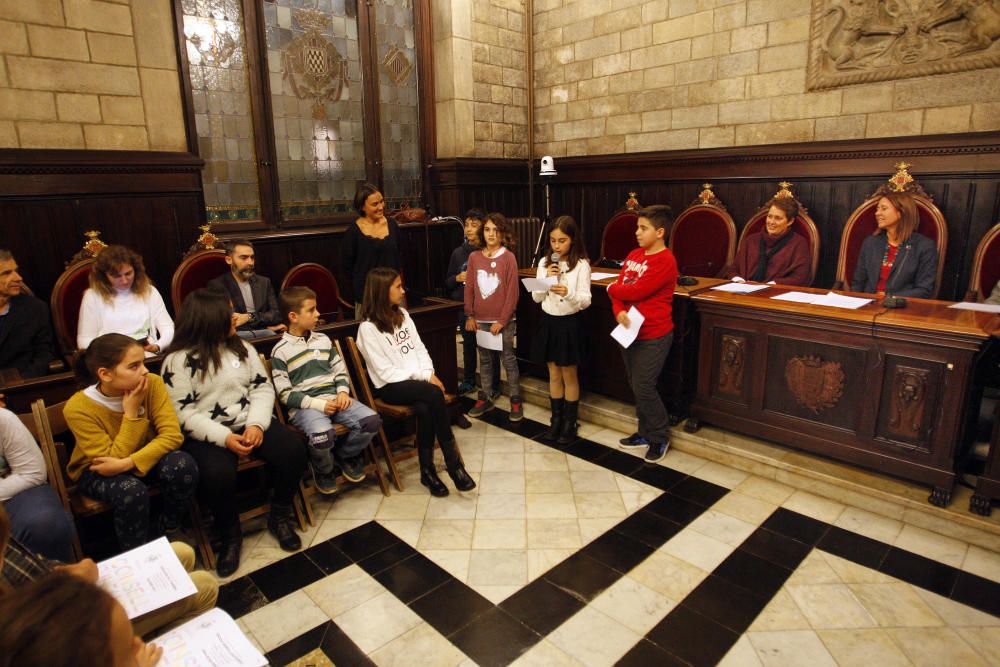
column 909, row 216
column 203, row 327
column 659, row 215
column 375, row 306
column 577, row 251
column 788, row 205
column 503, row 225
column 105, row 351
column 109, row 260
column 291, row 300
column 6, row 256
column 58, row 621
column 364, row 191
column 231, row 246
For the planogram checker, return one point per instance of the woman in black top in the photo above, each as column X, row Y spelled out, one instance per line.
column 373, row 239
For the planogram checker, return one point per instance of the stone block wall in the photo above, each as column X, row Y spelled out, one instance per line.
column 89, row 74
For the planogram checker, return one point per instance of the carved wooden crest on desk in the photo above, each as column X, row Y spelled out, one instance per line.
column 815, row 383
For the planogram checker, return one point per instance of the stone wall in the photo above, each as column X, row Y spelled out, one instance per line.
column 89, row 74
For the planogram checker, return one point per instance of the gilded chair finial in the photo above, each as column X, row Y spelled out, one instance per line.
column 632, row 204
column 901, row 178
column 784, row 192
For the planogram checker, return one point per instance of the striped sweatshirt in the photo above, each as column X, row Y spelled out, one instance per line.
column 307, row 371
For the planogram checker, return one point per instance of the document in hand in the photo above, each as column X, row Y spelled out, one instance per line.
column 539, row 284
column 739, row 288
column 489, row 341
column 211, row 640
column 601, row 276
column 145, row 578
column 981, row 307
column 626, row 336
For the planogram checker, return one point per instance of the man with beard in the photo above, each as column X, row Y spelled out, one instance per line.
column 254, row 302
column 25, row 329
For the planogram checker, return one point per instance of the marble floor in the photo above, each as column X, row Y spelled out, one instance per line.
column 587, row 555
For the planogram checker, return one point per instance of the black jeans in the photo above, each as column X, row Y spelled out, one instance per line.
column 283, row 451
column 644, row 360
column 428, row 402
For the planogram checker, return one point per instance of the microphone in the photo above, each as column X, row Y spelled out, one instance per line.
column 554, row 261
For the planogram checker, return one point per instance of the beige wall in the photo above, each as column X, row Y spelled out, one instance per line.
column 89, row 74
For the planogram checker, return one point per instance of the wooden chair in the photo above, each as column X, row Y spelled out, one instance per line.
column 803, row 225
column 194, row 272
column 319, row 279
column 703, row 237
column 985, row 266
column 862, row 224
column 618, row 238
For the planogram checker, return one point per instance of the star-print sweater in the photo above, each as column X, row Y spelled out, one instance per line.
column 223, row 401
column 491, row 286
column 307, row 370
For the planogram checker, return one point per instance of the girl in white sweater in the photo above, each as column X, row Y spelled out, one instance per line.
column 122, row 300
column 403, row 374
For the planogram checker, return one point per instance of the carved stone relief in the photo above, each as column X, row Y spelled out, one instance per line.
column 731, row 365
column 861, row 41
column 814, row 383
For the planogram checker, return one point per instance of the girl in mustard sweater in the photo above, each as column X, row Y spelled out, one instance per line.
column 127, row 435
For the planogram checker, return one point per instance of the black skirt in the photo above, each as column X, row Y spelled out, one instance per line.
column 558, row 340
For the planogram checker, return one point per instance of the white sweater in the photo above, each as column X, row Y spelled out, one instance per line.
column 21, row 463
column 577, row 283
column 394, row 357
column 127, row 313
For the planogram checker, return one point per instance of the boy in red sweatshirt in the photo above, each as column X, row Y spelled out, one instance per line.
column 647, row 281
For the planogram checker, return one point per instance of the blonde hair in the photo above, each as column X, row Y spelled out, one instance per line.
column 109, row 260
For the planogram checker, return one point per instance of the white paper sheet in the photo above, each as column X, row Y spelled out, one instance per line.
column 739, row 288
column 981, row 307
column 840, row 301
column 796, row 297
column 146, row 578
column 211, row 640
column 489, row 341
column 539, row 285
column 602, row 276
column 626, row 336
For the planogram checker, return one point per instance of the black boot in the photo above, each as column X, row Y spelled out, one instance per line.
column 569, row 425
column 228, row 560
column 456, row 467
column 428, row 475
column 281, row 523
column 557, row 419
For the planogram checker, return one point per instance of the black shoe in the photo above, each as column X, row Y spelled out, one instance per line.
column 430, row 479
column 228, row 560
column 569, row 425
column 656, row 451
column 281, row 523
column 463, row 482
column 557, row 419
column 353, row 469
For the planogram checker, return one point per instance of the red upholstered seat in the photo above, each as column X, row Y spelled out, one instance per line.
column 985, row 266
column 65, row 302
column 320, row 280
column 194, row 272
column 703, row 238
column 619, row 236
column 803, row 226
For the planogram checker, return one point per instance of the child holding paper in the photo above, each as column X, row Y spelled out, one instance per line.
column 647, row 282
column 558, row 341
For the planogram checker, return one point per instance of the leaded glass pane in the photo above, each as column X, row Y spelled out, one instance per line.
column 314, row 65
column 213, row 32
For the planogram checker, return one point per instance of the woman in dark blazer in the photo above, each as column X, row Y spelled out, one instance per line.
column 897, row 260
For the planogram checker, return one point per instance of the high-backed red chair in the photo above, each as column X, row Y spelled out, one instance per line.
column 862, row 224
column 985, row 266
column 194, row 272
column 703, row 238
column 67, row 294
column 803, row 226
column 319, row 279
column 618, row 239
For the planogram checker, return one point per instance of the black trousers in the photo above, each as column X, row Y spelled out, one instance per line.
column 428, row 402
column 283, row 451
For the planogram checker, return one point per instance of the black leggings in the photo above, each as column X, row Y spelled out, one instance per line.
column 283, row 451
column 428, row 402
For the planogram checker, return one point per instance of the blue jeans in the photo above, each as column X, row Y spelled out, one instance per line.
column 39, row 522
column 358, row 417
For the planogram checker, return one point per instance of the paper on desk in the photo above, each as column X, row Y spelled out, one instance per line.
column 796, row 297
column 840, row 301
column 211, row 640
column 602, row 276
column 489, row 341
column 739, row 288
column 539, row 284
column 626, row 336
column 981, row 307
column 145, row 578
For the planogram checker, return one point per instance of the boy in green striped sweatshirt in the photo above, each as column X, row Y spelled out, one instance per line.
column 312, row 382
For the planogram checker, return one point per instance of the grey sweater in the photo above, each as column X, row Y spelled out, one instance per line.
column 21, row 463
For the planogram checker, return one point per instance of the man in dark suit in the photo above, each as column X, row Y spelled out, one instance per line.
column 256, row 306
column 25, row 328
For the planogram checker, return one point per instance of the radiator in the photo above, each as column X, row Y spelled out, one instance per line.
column 526, row 232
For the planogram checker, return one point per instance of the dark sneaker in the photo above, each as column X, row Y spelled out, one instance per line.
column 656, row 451
column 481, row 408
column 633, row 442
column 325, row 484
column 354, row 469
column 465, row 387
column 516, row 410
column 495, row 396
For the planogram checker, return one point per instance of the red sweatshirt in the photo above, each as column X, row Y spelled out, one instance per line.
column 491, row 286
column 647, row 282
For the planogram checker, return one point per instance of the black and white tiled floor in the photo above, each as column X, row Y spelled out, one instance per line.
column 586, row 555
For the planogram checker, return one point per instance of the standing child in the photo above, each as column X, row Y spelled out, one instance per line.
column 558, row 342
column 127, row 435
column 647, row 281
column 312, row 381
column 490, row 305
column 403, row 373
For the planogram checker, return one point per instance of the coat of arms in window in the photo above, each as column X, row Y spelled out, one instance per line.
column 312, row 65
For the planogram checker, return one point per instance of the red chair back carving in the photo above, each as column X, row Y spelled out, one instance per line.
column 194, row 272
column 985, row 266
column 320, row 280
column 67, row 295
column 703, row 238
column 803, row 226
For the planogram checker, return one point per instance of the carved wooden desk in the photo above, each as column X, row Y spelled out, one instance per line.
column 885, row 389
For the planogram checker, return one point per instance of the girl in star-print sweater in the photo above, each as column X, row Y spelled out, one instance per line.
column 224, row 400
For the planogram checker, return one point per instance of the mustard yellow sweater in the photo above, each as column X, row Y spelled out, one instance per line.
column 103, row 432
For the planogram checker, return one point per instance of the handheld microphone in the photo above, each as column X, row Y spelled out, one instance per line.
column 554, row 261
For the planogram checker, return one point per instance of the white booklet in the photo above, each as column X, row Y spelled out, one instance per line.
column 539, row 284
column 146, row 578
column 211, row 640
column 739, row 288
column 981, row 307
column 840, row 301
column 626, row 336
column 796, row 297
column 596, row 275
column 489, row 341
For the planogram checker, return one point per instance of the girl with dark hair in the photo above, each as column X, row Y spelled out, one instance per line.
column 776, row 254
column 373, row 239
column 402, row 373
column 122, row 299
column 224, row 400
column 558, row 342
column 127, row 435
